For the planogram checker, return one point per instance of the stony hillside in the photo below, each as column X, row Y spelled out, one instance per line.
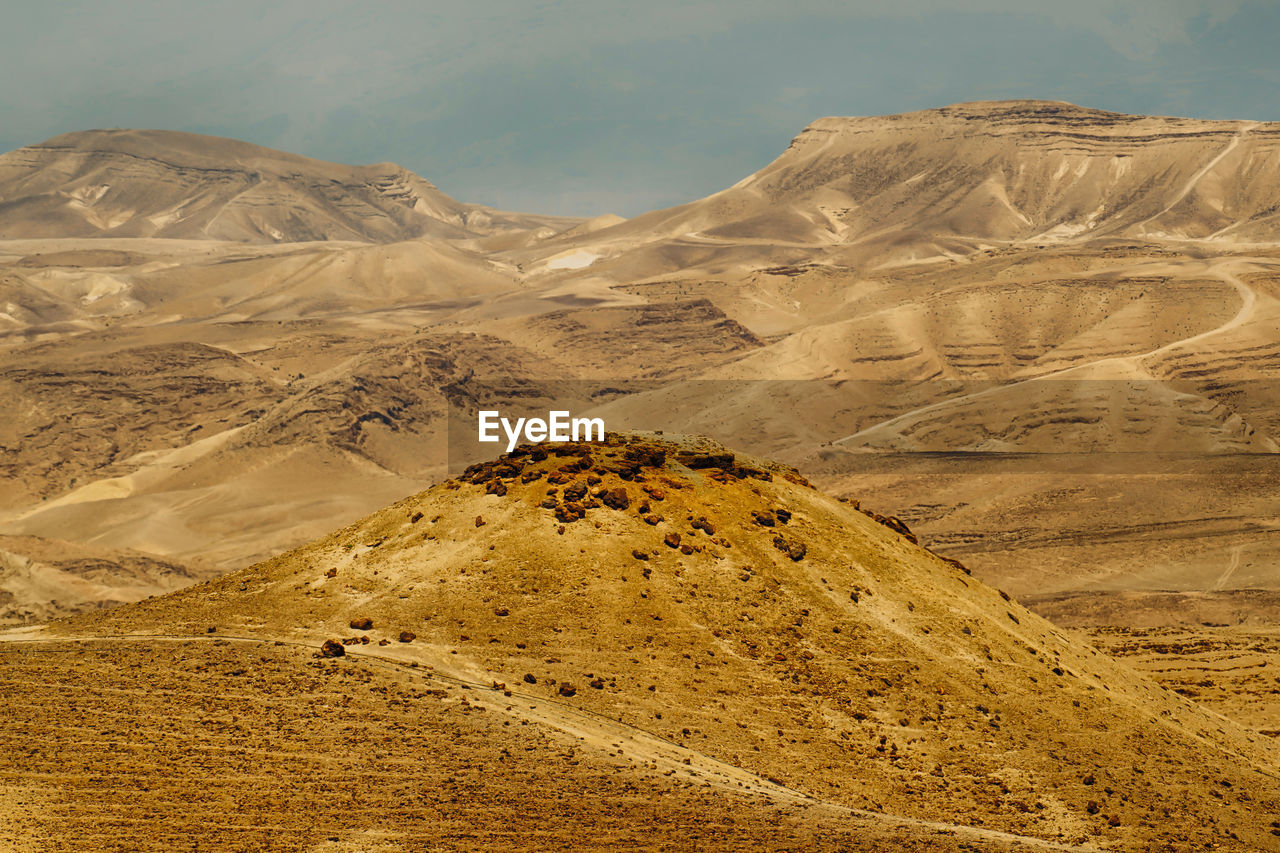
column 721, row 604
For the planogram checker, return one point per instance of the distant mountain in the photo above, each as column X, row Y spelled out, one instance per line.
column 947, row 181
column 153, row 183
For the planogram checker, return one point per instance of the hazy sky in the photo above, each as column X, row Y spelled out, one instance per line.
column 593, row 107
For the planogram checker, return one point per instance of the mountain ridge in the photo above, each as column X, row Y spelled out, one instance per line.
column 158, row 183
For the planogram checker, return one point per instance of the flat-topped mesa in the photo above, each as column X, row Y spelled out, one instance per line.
column 1009, row 172
column 1030, row 117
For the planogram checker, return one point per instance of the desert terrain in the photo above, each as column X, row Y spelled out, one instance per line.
column 693, row 617
column 1044, row 339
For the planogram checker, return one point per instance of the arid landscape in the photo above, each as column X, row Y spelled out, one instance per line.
column 940, row 510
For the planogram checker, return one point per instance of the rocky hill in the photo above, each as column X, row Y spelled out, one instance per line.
column 723, row 605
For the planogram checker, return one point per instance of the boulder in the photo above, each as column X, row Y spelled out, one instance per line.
column 616, row 498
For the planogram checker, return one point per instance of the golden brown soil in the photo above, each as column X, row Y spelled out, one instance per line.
column 253, row 746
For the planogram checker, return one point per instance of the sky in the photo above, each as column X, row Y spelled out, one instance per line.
column 584, row 108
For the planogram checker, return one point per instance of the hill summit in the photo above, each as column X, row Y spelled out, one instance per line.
column 719, row 602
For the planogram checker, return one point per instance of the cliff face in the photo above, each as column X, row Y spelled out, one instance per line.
column 148, row 183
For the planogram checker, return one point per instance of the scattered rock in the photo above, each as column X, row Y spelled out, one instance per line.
column 570, row 512
column 672, row 539
column 953, row 562
column 496, row 487
column 650, row 457
column 407, row 636
column 576, row 491
column 529, row 678
column 702, row 459
column 896, row 524
column 332, row 649
column 500, row 611
column 566, row 689
column 626, row 470
column 783, row 515
column 704, row 525
column 332, row 573
column 639, row 555
column 794, row 549
column 363, row 623
column 480, row 522
column 652, row 519
column 384, row 642
column 763, row 517
column 616, row 498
